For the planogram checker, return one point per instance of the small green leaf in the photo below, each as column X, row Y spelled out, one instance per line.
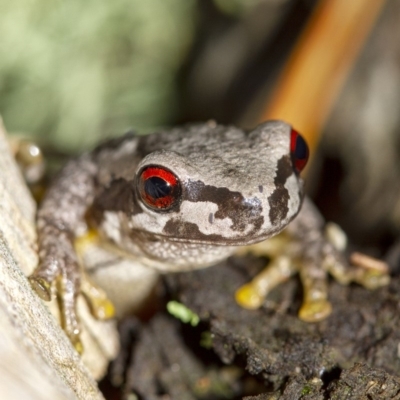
column 181, row 312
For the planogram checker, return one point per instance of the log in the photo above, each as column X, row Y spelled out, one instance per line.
column 37, row 360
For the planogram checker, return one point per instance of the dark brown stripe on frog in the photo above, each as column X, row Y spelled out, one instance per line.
column 230, row 204
column 279, row 199
column 180, row 229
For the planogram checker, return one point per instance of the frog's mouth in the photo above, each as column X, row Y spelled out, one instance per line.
column 192, row 236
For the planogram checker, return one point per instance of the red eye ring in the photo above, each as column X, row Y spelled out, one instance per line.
column 159, row 188
column 298, row 150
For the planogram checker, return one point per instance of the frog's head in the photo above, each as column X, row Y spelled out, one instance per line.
column 220, row 185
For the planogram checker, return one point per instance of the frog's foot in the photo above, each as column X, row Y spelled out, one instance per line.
column 67, row 292
column 253, row 294
column 316, row 306
column 100, row 306
column 366, row 271
column 65, row 273
column 313, row 259
column 59, row 263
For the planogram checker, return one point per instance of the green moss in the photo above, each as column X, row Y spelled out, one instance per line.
column 306, row 390
column 206, row 340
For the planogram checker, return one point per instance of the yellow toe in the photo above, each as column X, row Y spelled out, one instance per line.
column 103, row 310
column 315, row 311
column 248, row 297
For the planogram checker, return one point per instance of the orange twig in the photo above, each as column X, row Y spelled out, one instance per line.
column 320, row 63
column 367, row 262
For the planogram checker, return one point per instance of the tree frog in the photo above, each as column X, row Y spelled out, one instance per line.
column 188, row 198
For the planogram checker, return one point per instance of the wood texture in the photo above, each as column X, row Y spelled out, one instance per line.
column 37, row 360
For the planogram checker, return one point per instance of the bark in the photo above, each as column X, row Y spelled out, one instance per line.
column 37, row 360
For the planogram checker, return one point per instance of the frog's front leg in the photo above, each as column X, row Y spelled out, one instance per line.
column 313, row 250
column 60, row 218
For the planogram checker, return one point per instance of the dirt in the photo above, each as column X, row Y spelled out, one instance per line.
column 268, row 353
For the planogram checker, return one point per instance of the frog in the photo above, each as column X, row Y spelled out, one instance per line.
column 187, row 198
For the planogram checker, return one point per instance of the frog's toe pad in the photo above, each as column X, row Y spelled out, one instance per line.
column 100, row 306
column 103, row 310
column 373, row 280
column 76, row 342
column 41, row 286
column 315, row 311
column 248, row 297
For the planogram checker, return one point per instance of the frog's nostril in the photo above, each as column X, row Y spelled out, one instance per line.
column 238, row 198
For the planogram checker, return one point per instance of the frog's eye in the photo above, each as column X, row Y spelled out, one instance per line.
column 159, row 188
column 298, row 151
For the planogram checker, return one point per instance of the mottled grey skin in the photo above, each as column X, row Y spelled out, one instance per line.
column 238, row 188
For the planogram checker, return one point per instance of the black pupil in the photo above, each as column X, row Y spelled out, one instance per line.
column 301, row 150
column 157, row 187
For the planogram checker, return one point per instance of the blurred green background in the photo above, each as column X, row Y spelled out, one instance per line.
column 74, row 72
column 71, row 71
